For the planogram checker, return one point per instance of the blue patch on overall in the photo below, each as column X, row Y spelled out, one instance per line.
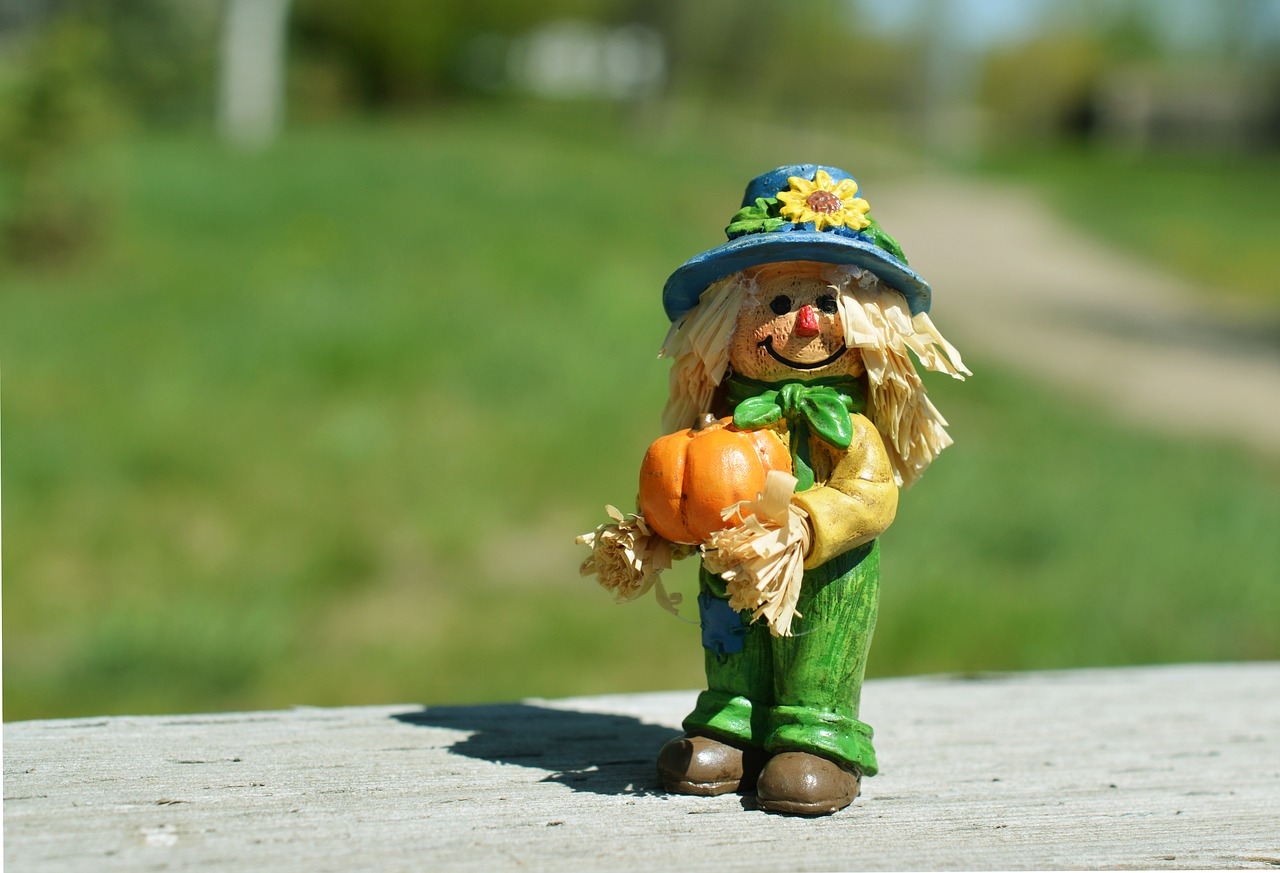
column 722, row 628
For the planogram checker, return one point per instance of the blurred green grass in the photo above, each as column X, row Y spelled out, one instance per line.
column 319, row 425
column 1209, row 217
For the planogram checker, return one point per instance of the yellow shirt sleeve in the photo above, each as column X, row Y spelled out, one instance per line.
column 857, row 502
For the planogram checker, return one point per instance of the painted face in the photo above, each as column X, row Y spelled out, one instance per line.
column 791, row 329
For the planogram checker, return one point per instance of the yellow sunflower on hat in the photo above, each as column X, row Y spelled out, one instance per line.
column 825, row 203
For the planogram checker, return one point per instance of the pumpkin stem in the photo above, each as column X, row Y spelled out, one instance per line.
column 703, row 422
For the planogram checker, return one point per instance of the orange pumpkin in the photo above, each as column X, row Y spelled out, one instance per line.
column 690, row 476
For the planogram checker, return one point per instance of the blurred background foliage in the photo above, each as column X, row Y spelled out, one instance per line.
column 312, row 415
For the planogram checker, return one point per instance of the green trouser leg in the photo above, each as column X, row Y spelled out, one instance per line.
column 795, row 693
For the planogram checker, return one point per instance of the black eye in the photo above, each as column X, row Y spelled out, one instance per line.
column 827, row 303
column 780, row 305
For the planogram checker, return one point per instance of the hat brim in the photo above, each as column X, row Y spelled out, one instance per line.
column 687, row 283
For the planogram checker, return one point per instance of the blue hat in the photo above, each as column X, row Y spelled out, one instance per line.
column 803, row 212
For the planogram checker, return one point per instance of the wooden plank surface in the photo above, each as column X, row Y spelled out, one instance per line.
column 1155, row 768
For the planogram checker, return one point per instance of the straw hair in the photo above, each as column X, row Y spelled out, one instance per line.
column 876, row 319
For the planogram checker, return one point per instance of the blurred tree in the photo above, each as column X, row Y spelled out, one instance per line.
column 753, row 55
column 1042, row 88
column 1193, row 74
column 56, row 109
column 806, row 63
column 407, row 51
column 757, row 52
column 158, row 56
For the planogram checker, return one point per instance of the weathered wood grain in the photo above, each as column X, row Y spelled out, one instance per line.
column 1160, row 767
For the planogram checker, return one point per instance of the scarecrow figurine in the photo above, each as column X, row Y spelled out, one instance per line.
column 795, row 415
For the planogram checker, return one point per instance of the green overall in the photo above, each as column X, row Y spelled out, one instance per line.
column 801, row 693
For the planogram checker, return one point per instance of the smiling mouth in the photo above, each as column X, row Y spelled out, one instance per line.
column 767, row 345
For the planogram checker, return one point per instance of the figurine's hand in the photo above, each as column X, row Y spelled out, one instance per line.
column 627, row 558
column 761, row 559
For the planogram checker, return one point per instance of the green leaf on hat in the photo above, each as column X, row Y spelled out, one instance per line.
column 761, row 216
column 882, row 239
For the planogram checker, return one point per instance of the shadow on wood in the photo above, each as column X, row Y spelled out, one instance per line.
column 585, row 751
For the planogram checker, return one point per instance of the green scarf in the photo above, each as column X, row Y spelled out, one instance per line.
column 821, row 406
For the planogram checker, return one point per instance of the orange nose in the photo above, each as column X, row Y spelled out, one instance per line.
column 807, row 322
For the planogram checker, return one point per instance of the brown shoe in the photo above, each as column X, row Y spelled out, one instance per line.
column 695, row 764
column 798, row 783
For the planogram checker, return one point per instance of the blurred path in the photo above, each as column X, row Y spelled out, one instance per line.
column 1014, row 283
